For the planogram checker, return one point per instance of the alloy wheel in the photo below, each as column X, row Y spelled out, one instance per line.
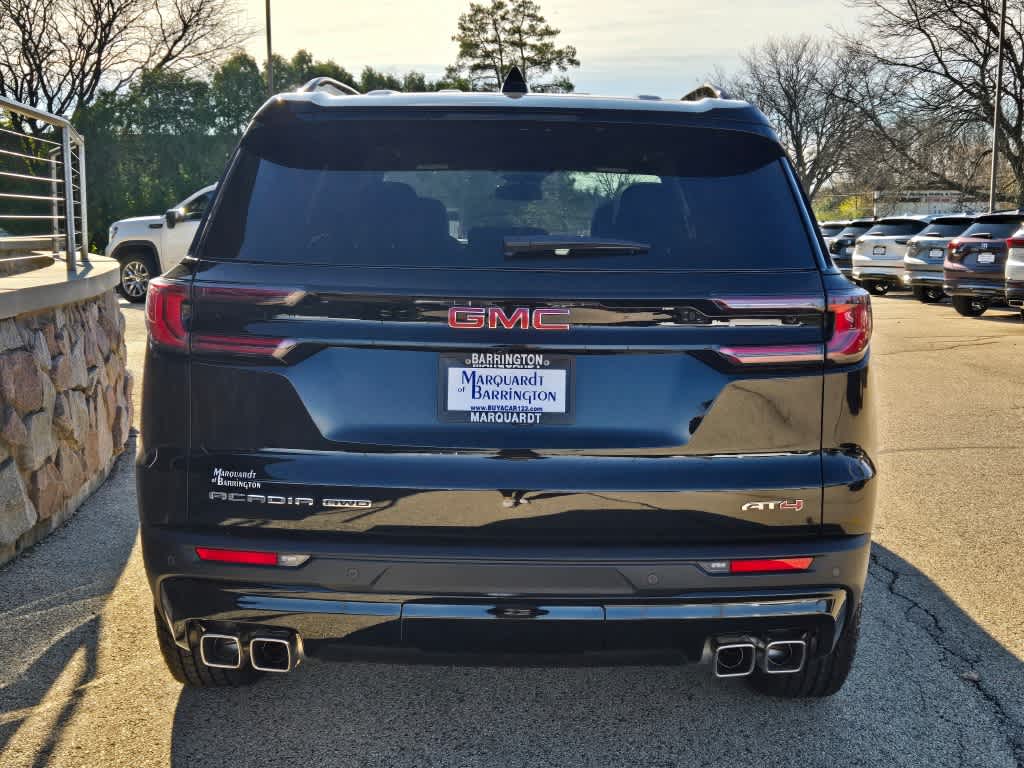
column 134, row 278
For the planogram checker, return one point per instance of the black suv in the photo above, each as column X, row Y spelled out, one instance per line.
column 841, row 245
column 496, row 376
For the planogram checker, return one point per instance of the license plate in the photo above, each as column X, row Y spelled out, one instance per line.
column 937, row 253
column 849, row 251
column 878, row 250
column 986, row 258
column 506, row 388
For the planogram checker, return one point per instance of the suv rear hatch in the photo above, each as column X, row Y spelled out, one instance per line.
column 885, row 244
column 978, row 256
column 539, row 328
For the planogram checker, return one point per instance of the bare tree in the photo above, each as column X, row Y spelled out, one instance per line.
column 57, row 54
column 803, row 86
column 935, row 60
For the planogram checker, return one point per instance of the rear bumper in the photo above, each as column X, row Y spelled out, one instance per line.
column 922, row 277
column 1015, row 293
column 970, row 286
column 362, row 600
column 890, row 275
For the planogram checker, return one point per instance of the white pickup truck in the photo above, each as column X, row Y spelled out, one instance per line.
column 147, row 246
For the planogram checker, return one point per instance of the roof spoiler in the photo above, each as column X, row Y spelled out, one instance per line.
column 329, row 83
column 706, row 91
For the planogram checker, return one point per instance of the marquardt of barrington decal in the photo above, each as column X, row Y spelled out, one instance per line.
column 235, row 478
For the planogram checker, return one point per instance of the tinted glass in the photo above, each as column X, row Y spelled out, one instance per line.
column 855, row 230
column 897, row 228
column 197, row 207
column 828, row 230
column 454, row 193
column 939, row 229
column 994, row 229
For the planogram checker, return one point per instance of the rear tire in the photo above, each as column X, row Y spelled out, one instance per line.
column 876, row 289
column 928, row 294
column 970, row 306
column 187, row 668
column 137, row 269
column 821, row 676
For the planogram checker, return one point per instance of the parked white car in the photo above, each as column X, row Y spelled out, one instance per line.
column 878, row 253
column 147, row 246
column 1015, row 271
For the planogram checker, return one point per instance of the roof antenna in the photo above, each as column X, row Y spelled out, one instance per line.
column 515, row 83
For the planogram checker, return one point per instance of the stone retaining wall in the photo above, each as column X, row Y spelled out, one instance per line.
column 65, row 413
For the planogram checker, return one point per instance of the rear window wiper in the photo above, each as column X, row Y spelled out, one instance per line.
column 540, row 246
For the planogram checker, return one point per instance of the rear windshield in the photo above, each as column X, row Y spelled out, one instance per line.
column 508, row 193
column 897, row 228
column 994, row 229
column 828, row 230
column 854, row 230
column 945, row 229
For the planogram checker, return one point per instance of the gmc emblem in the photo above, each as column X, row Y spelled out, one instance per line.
column 495, row 317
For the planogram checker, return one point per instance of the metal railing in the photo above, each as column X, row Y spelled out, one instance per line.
column 55, row 160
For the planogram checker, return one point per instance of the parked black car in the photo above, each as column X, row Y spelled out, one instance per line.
column 926, row 252
column 841, row 245
column 830, row 229
column 590, row 423
column 974, row 269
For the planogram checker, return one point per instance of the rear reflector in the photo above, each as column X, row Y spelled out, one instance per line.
column 851, row 326
column 774, row 565
column 250, row 557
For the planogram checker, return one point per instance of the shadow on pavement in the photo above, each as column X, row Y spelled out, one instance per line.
column 930, row 687
column 50, row 600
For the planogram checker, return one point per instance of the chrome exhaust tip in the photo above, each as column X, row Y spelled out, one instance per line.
column 274, row 654
column 220, row 651
column 734, row 659
column 784, row 657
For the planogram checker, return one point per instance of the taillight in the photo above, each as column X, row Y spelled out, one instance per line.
column 257, row 301
column 247, row 346
column 1015, row 242
column 166, row 313
column 168, row 310
column 783, row 354
column 851, row 326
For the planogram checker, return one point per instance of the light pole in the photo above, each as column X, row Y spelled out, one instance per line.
column 995, row 112
column 269, row 52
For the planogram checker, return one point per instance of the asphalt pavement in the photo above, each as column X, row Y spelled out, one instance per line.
column 938, row 681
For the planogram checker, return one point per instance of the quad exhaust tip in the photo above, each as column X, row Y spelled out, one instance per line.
column 274, row 654
column 220, row 651
column 735, row 659
column 784, row 657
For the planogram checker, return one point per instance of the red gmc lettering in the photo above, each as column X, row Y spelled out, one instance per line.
column 496, row 316
column 540, row 324
column 466, row 317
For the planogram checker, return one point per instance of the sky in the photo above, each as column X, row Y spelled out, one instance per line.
column 661, row 47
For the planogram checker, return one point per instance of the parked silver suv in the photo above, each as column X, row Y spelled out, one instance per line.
column 878, row 254
column 922, row 263
column 1015, row 271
